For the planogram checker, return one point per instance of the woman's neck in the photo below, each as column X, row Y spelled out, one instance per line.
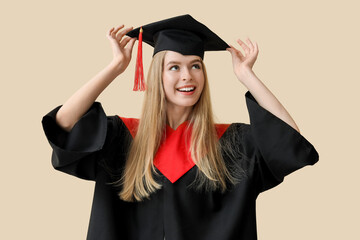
column 177, row 115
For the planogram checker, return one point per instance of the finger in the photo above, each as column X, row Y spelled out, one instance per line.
column 109, row 35
column 124, row 42
column 244, row 46
column 256, row 47
column 113, row 33
column 230, row 49
column 121, row 34
column 234, row 52
column 109, row 32
column 131, row 44
column 250, row 44
column 238, row 52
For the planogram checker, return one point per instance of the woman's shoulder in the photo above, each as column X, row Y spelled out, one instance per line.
column 130, row 123
column 230, row 128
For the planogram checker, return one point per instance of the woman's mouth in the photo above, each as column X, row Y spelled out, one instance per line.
column 186, row 89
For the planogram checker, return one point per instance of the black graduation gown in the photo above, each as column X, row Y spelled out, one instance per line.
column 266, row 150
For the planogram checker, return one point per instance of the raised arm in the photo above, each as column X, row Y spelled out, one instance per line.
column 242, row 64
column 78, row 104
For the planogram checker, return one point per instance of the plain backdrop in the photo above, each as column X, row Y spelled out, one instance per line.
column 309, row 58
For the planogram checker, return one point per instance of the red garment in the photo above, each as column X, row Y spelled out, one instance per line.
column 173, row 158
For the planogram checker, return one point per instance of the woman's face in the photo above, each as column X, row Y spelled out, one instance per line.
column 183, row 79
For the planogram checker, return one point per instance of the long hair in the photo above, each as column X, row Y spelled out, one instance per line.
column 138, row 180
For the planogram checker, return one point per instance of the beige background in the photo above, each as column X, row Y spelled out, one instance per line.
column 309, row 58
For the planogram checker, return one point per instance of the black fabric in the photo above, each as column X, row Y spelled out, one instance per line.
column 182, row 34
column 83, row 142
column 266, row 150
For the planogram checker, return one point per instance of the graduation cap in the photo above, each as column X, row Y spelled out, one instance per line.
column 182, row 34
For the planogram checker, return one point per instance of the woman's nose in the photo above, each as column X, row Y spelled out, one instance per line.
column 185, row 74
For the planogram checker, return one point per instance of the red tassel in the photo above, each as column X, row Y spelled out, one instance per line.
column 139, row 84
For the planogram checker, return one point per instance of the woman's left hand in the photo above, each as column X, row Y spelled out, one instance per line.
column 242, row 63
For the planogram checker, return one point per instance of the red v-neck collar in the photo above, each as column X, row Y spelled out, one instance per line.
column 170, row 129
column 173, row 158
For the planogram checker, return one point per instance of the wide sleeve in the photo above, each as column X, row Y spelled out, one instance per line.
column 77, row 152
column 276, row 148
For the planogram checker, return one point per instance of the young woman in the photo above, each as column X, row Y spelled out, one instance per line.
column 174, row 173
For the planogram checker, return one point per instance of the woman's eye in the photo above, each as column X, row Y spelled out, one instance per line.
column 196, row 66
column 174, row 68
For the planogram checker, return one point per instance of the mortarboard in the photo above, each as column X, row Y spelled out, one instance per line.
column 182, row 34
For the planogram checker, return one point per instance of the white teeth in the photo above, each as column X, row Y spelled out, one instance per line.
column 186, row 89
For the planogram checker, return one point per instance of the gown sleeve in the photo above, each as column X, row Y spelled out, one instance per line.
column 276, row 148
column 77, row 152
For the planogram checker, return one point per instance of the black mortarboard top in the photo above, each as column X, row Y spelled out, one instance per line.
column 182, row 34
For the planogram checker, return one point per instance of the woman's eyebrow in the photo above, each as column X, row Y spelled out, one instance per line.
column 195, row 60
column 172, row 62
column 176, row 62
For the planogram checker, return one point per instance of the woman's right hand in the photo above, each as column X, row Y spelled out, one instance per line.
column 121, row 47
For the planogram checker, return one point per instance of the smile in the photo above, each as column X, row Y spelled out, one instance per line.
column 186, row 89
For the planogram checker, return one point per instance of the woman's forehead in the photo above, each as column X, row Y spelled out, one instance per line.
column 172, row 56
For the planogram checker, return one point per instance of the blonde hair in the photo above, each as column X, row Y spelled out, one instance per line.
column 138, row 180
